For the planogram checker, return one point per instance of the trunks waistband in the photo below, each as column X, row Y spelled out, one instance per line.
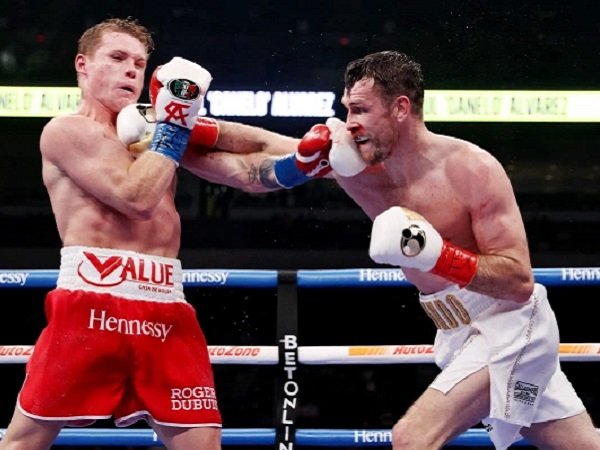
column 121, row 273
column 454, row 307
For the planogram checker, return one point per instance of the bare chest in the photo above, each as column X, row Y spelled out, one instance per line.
column 433, row 197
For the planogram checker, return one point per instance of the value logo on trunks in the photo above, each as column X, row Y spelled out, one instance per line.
column 113, row 270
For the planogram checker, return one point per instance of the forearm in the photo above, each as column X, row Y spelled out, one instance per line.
column 240, row 138
column 503, row 277
column 147, row 180
column 176, row 92
column 261, row 161
column 251, row 172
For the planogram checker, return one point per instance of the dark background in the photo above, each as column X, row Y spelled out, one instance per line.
column 305, row 45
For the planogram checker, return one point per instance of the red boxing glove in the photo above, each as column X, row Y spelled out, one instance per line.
column 177, row 89
column 310, row 160
column 312, row 157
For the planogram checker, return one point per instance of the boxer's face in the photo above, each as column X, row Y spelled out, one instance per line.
column 370, row 120
column 114, row 73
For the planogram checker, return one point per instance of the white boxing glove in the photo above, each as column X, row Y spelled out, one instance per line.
column 404, row 241
column 177, row 90
column 403, row 238
column 344, row 156
column 135, row 123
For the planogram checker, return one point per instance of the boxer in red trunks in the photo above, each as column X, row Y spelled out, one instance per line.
column 120, row 333
column 121, row 340
column 119, row 329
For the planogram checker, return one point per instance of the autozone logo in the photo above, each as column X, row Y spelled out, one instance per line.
column 16, row 350
column 233, row 351
column 114, row 270
column 413, row 349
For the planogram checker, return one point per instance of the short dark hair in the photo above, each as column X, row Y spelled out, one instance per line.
column 90, row 39
column 394, row 73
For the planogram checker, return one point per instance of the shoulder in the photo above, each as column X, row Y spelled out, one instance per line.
column 464, row 157
column 71, row 123
column 473, row 171
column 69, row 132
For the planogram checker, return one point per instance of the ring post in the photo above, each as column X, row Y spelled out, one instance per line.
column 287, row 386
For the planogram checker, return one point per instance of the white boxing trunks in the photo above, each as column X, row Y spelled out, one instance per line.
column 121, row 341
column 518, row 342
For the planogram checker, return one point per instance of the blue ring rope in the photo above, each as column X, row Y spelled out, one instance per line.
column 383, row 277
column 583, row 276
column 367, row 277
column 138, row 437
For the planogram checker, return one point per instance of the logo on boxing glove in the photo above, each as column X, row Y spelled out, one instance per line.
column 413, row 240
column 184, row 89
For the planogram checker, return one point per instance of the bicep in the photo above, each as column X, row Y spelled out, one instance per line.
column 497, row 222
column 504, row 267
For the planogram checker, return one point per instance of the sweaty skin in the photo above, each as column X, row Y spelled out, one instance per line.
column 459, row 188
column 465, row 194
column 101, row 196
column 104, row 196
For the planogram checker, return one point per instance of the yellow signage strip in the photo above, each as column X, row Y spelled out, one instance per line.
column 440, row 105
column 26, row 101
column 512, row 106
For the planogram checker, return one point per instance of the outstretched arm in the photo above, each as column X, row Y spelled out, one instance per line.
column 250, row 172
column 240, row 138
column 229, row 153
column 251, row 158
column 256, row 160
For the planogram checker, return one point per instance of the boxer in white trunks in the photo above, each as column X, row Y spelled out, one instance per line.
column 444, row 211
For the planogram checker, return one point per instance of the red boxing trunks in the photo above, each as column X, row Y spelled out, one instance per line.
column 121, row 341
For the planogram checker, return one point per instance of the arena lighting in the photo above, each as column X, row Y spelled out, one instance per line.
column 440, row 105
